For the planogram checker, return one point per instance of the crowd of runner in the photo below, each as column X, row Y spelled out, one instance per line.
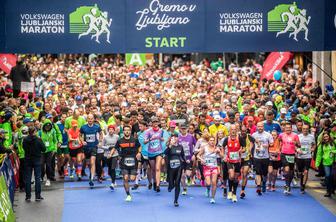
column 180, row 122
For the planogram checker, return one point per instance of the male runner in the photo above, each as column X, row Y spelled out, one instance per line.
column 90, row 140
column 129, row 150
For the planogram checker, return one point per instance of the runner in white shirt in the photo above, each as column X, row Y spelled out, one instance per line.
column 304, row 155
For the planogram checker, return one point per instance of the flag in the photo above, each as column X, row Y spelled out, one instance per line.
column 275, row 61
column 7, row 62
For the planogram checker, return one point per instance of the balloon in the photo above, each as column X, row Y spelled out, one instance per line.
column 277, row 75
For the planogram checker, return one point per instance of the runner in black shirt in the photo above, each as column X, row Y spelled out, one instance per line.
column 130, row 152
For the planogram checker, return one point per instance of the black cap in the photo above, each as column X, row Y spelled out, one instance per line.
column 175, row 134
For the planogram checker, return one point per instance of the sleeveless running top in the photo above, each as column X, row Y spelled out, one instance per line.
column 210, row 158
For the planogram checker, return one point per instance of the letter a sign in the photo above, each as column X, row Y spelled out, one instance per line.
column 136, row 59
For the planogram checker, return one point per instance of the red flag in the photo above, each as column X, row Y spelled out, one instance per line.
column 7, row 62
column 275, row 61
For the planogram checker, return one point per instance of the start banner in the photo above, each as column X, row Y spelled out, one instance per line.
column 171, row 26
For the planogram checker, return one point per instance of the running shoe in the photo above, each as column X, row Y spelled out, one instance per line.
column 72, row 176
column 91, row 184
column 207, row 193
column 112, row 186
column 100, row 180
column 39, row 198
column 286, row 190
column 295, row 183
column 79, row 177
column 184, row 192
column 234, row 198
column 150, row 186
column 229, row 196
column 327, row 195
column 259, row 192
column 176, row 204
column 302, row 191
column 273, row 188
column 212, row 201
column 128, row 198
column 135, row 187
column 158, row 189
column 66, row 172
column 47, row 183
column 242, row 194
column 269, row 187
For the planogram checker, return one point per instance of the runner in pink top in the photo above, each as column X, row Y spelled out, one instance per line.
column 289, row 142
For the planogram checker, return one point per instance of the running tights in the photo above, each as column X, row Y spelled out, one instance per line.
column 174, row 181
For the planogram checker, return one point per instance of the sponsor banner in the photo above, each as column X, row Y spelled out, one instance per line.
column 167, row 26
column 7, row 62
column 275, row 61
column 6, row 210
column 330, row 25
column 7, row 171
column 65, row 26
column 241, row 25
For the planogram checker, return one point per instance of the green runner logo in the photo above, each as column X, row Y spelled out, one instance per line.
column 286, row 18
column 88, row 20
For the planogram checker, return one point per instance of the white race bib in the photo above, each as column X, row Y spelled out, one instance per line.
column 129, row 161
column 234, row 155
column 46, row 143
column 90, row 138
column 175, row 163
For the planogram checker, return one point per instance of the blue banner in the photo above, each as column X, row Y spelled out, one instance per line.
column 171, row 26
column 330, row 25
column 7, row 171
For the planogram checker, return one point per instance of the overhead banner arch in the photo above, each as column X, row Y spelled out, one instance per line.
column 168, row 26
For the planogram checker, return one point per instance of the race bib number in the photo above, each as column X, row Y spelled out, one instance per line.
column 175, row 163
column 234, row 155
column 47, row 143
column 210, row 161
column 75, row 143
column 261, row 152
column 90, row 138
column 186, row 149
column 290, row 159
column 129, row 161
column 304, row 150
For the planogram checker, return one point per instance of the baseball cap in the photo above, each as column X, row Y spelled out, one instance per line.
column 172, row 124
column 183, row 126
column 217, row 105
column 24, row 130
column 38, row 104
column 111, row 127
column 30, row 110
column 74, row 123
column 269, row 112
column 78, row 98
column 269, row 103
column 217, row 118
column 155, row 119
column 175, row 134
column 27, row 120
column 283, row 111
column 48, row 115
